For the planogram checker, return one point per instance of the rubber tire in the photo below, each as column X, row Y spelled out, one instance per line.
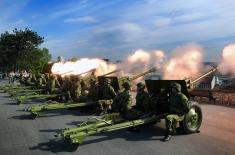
column 183, row 124
column 71, row 146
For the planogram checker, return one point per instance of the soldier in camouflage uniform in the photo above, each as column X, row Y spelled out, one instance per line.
column 22, row 79
column 34, row 79
column 94, row 90
column 123, row 103
column 28, row 81
column 108, row 91
column 52, row 85
column 47, row 77
column 65, row 89
column 84, row 90
column 142, row 98
column 75, row 89
column 177, row 109
column 41, row 81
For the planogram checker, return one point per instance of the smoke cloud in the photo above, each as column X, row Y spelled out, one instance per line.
column 227, row 64
column 185, row 63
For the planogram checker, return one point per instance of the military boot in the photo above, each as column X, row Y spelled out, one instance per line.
column 167, row 136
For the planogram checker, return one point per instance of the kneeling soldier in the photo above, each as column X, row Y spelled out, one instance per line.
column 177, row 109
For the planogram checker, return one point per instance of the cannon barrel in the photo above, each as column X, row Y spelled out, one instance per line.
column 204, row 75
column 115, row 71
column 144, row 73
column 190, row 83
column 56, row 72
column 78, row 74
column 63, row 73
column 91, row 70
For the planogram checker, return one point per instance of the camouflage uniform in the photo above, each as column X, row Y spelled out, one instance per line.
column 178, row 108
column 123, row 103
column 29, row 80
column 76, row 89
column 108, row 91
column 22, row 79
column 142, row 98
column 94, row 90
column 52, row 85
column 65, row 88
column 84, row 91
column 41, row 81
column 47, row 77
column 34, row 79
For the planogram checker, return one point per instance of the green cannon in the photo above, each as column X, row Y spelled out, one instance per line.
column 37, row 111
column 15, row 88
column 116, row 82
column 33, row 94
column 22, row 99
column 159, row 91
column 27, row 91
column 6, row 86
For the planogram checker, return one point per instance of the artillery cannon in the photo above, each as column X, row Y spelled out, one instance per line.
column 37, row 111
column 116, row 83
column 9, row 88
column 28, row 91
column 190, row 83
column 159, row 91
column 115, row 71
column 36, row 94
column 3, row 87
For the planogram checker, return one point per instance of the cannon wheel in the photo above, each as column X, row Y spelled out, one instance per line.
column 71, row 146
column 193, row 119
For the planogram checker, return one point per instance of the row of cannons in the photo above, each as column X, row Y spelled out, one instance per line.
column 159, row 93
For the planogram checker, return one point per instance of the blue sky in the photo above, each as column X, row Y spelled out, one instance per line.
column 115, row 28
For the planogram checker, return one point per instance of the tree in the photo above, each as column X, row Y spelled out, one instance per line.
column 35, row 60
column 20, row 50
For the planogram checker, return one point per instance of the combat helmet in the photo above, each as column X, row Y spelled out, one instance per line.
column 126, row 85
column 177, row 86
column 107, row 81
column 141, row 85
column 38, row 75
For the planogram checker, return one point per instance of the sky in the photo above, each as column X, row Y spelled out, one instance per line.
column 115, row 28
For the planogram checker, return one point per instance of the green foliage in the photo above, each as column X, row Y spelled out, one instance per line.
column 20, row 50
column 37, row 58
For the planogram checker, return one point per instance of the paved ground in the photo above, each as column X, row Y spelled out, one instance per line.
column 23, row 136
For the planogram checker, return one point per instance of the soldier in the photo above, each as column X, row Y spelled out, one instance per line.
column 11, row 75
column 22, row 79
column 177, row 109
column 142, row 98
column 75, row 90
column 108, row 91
column 52, row 85
column 47, row 77
column 84, row 90
column 29, row 80
column 41, row 81
column 123, row 103
column 34, row 79
column 117, row 103
column 65, row 89
column 94, row 90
